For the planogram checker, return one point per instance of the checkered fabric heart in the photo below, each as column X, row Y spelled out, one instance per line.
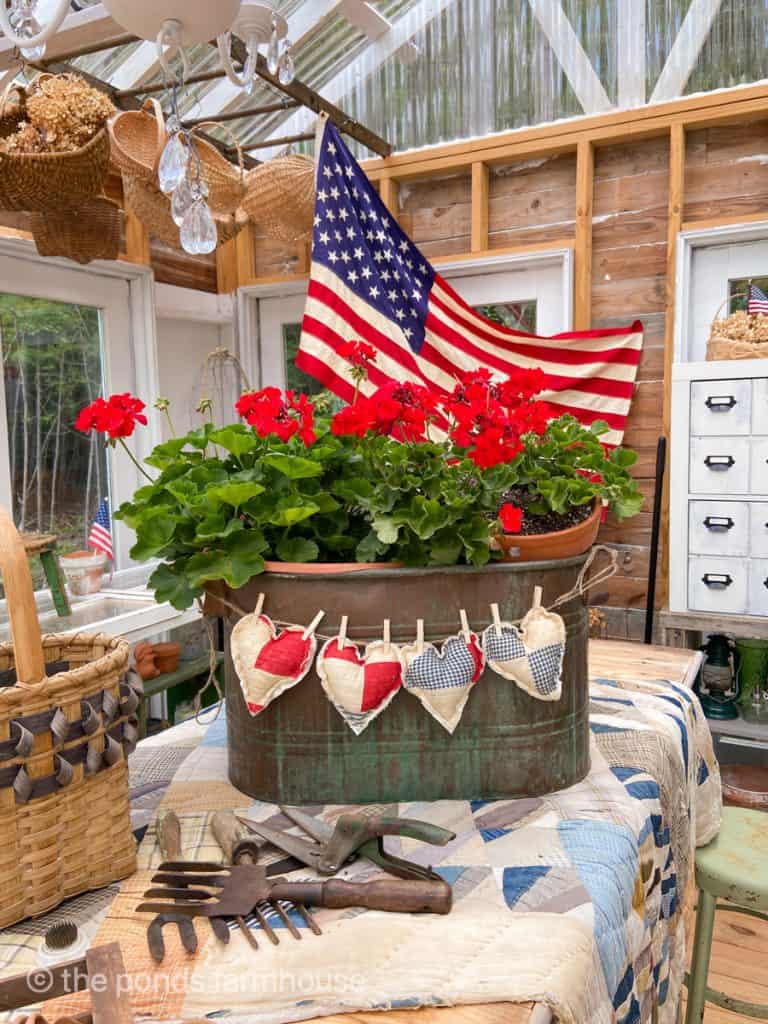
column 442, row 679
column 267, row 662
column 360, row 687
column 531, row 656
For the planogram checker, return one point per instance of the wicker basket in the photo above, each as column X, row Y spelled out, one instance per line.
column 738, row 336
column 154, row 211
column 85, row 231
column 137, row 139
column 64, row 811
column 12, row 112
column 53, row 181
column 280, row 197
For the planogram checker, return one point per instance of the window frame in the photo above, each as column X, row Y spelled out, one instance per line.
column 141, row 365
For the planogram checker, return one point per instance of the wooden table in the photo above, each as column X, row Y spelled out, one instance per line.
column 610, row 659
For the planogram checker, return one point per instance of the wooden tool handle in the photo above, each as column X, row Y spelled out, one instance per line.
column 228, row 832
column 169, row 836
column 22, row 610
column 404, row 896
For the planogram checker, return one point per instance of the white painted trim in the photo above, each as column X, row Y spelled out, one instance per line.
column 630, row 53
column 685, row 49
column 80, row 28
column 175, row 303
column 571, row 55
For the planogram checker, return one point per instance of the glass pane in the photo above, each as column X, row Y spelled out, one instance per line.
column 738, row 289
column 53, row 367
column 296, row 379
column 519, row 316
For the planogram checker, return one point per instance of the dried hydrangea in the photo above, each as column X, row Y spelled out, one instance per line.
column 742, row 326
column 63, row 113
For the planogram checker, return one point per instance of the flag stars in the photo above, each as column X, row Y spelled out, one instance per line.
column 348, row 172
column 374, row 292
column 351, row 232
column 345, row 257
column 387, row 254
column 327, row 173
column 343, row 214
column 335, row 192
column 330, row 215
column 400, row 314
column 358, row 253
column 392, row 295
column 403, row 246
column 337, row 235
column 332, row 148
column 369, row 235
column 366, row 272
column 385, row 274
column 333, row 256
column 324, row 237
column 352, row 275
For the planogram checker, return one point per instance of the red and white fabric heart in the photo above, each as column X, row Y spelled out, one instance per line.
column 360, row 686
column 442, row 680
column 267, row 661
column 531, row 655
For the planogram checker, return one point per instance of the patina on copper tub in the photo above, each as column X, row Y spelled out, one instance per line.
column 299, row 749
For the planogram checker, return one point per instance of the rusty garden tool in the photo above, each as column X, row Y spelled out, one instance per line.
column 169, row 841
column 190, row 889
column 354, row 834
column 238, row 848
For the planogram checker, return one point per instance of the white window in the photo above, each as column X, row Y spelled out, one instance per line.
column 526, row 292
column 69, row 335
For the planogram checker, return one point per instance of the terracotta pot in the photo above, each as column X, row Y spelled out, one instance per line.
column 144, row 658
column 560, row 544
column 166, row 656
column 327, row 568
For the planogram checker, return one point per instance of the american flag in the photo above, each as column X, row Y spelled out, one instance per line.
column 369, row 281
column 757, row 302
column 100, row 537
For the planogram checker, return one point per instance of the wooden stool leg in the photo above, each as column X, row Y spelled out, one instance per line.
column 53, row 576
column 702, row 948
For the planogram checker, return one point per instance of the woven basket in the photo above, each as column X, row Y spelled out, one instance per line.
column 280, row 197
column 12, row 112
column 64, row 812
column 153, row 209
column 85, row 231
column 53, row 181
column 734, row 337
column 137, row 139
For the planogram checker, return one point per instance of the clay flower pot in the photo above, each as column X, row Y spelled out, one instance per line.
column 144, row 657
column 166, row 656
column 327, row 568
column 538, row 547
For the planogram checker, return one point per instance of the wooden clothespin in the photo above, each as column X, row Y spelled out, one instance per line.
column 496, row 618
column 465, row 626
column 419, row 636
column 385, row 632
column 259, row 605
column 343, row 630
column 537, row 592
column 312, row 626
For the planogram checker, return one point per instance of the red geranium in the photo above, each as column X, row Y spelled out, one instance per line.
column 358, row 353
column 269, row 412
column 511, row 518
column 403, row 411
column 356, row 419
column 116, row 416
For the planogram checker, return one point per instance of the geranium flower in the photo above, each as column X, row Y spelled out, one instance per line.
column 355, row 420
column 403, row 411
column 358, row 353
column 511, row 518
column 269, row 412
column 116, row 416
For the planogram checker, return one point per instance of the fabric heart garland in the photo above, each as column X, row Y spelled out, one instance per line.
column 267, row 661
column 531, row 655
column 360, row 687
column 443, row 679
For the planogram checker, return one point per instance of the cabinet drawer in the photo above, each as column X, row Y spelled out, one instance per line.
column 721, row 407
column 758, row 529
column 760, row 406
column 719, row 527
column 720, row 465
column 758, row 586
column 718, row 585
column 758, row 480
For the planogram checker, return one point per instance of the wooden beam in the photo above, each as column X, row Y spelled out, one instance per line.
column 389, row 190
column 630, row 65
column 685, row 49
column 571, row 56
column 724, row 222
column 585, row 184
column 676, row 202
column 137, row 247
column 480, row 195
column 563, row 136
column 236, row 261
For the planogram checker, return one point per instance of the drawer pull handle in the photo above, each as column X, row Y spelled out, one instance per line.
column 717, row 579
column 719, row 461
column 720, row 403
column 719, row 523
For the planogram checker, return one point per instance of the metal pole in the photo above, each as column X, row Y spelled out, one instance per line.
column 233, row 115
column 650, row 600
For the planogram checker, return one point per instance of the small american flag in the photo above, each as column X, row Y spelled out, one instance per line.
column 757, row 301
column 100, row 537
column 369, row 281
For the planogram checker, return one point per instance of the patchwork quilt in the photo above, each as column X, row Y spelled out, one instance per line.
column 573, row 899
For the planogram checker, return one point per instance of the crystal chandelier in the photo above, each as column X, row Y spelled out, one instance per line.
column 258, row 24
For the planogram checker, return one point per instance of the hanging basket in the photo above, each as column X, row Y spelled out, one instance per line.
column 741, row 335
column 226, row 183
column 12, row 111
column 65, row 825
column 86, row 231
column 53, row 181
column 153, row 209
column 280, row 197
column 137, row 139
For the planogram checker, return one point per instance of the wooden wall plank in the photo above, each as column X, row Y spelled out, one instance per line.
column 479, row 206
column 137, row 245
column 389, row 191
column 585, row 170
